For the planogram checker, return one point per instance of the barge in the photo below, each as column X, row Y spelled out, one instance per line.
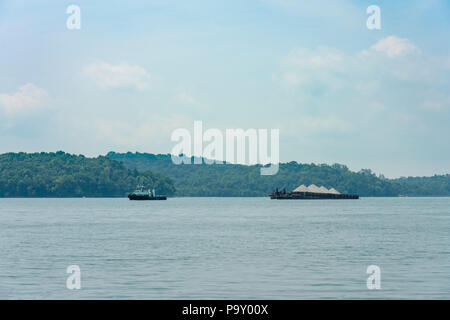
column 311, row 193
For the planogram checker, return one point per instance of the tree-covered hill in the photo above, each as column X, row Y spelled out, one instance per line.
column 64, row 175
column 239, row 180
column 438, row 185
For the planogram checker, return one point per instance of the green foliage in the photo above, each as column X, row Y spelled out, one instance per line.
column 237, row 180
column 64, row 175
column 424, row 186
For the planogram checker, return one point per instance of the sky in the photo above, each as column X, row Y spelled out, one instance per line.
column 137, row 70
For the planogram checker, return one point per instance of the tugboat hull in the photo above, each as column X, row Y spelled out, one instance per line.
column 145, row 197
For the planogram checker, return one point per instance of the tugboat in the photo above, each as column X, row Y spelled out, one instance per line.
column 141, row 194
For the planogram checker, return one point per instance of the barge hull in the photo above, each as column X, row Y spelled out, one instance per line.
column 310, row 196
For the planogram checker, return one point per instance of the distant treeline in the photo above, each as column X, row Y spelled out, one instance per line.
column 64, row 175
column 226, row 180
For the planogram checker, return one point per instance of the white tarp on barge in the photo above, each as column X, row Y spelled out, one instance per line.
column 315, row 189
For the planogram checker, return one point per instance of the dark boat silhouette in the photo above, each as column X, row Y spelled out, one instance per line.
column 141, row 194
column 310, row 193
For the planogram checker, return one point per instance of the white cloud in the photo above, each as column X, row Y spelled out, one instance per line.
column 436, row 105
column 107, row 75
column 324, row 70
column 366, row 96
column 187, row 99
column 27, row 98
column 315, row 71
column 322, row 57
column 307, row 125
column 396, row 47
column 447, row 64
column 148, row 132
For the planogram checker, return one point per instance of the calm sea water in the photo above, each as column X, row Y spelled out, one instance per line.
column 225, row 248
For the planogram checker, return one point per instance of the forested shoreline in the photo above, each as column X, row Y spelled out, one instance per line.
column 60, row 174
column 229, row 180
column 65, row 175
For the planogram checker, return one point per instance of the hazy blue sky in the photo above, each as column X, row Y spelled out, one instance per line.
column 137, row 70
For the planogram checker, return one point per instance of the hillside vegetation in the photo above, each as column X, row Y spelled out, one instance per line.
column 64, row 175
column 239, row 180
